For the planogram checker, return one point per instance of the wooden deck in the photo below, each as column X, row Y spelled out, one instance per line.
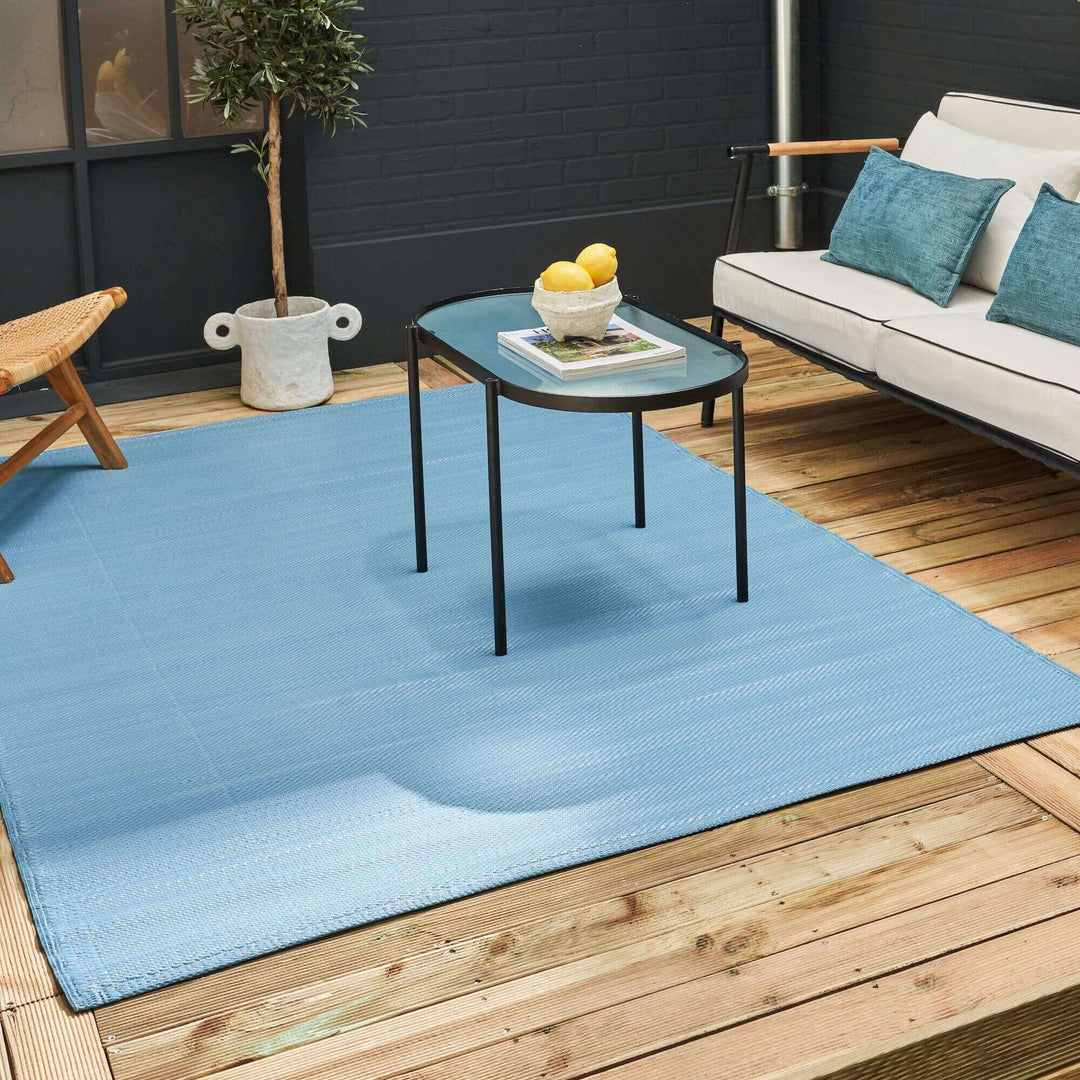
column 927, row 925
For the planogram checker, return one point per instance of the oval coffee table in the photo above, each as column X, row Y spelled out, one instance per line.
column 465, row 330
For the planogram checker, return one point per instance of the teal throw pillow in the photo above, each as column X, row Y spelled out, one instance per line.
column 914, row 225
column 1038, row 290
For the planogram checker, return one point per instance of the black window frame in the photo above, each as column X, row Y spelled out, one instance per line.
column 78, row 155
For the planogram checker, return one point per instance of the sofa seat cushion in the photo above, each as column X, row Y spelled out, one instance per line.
column 1012, row 378
column 834, row 310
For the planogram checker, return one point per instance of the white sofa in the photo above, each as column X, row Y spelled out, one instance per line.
column 1014, row 385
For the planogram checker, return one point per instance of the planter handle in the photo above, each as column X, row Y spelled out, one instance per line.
column 353, row 321
column 216, row 340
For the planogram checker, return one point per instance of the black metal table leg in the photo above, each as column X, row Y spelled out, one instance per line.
column 742, row 593
column 639, row 473
column 498, row 579
column 708, row 408
column 419, row 512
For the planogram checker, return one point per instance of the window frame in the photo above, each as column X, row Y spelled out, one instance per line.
column 79, row 156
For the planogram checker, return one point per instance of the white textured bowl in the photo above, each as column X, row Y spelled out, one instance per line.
column 584, row 313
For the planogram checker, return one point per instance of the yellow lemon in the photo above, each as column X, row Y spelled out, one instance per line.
column 600, row 262
column 565, row 277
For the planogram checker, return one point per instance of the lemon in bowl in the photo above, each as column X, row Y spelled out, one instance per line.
column 566, row 277
column 599, row 262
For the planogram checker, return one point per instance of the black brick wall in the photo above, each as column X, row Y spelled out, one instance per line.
column 502, row 120
column 487, row 111
column 885, row 62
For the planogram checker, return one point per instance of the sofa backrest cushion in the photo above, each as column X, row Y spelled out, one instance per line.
column 1029, row 123
column 937, row 144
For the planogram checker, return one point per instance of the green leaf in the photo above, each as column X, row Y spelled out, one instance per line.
column 305, row 51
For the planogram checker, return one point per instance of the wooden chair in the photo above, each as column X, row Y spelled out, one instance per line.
column 42, row 344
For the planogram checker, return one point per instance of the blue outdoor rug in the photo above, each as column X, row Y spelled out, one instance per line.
column 233, row 717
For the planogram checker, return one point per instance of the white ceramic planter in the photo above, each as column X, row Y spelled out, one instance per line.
column 585, row 313
column 284, row 363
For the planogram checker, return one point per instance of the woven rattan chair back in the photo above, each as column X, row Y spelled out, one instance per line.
column 43, row 344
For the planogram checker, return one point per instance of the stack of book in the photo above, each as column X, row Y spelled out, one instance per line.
column 624, row 347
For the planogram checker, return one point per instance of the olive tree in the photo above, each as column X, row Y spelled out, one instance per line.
column 297, row 53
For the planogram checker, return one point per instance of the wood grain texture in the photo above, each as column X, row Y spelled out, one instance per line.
column 1062, row 747
column 47, row 1041
column 1027, row 770
column 41, row 441
column 878, row 1017
column 830, row 146
column 69, row 388
column 25, row 975
column 5, row 1057
column 924, row 923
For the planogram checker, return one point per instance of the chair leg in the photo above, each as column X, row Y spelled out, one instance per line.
column 66, row 382
column 5, row 572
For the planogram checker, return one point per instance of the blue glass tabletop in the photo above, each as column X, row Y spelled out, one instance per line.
column 471, row 326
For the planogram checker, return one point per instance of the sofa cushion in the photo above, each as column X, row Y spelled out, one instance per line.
column 1011, row 378
column 1030, row 123
column 939, row 145
column 830, row 309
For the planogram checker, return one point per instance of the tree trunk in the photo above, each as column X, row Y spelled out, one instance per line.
column 273, row 196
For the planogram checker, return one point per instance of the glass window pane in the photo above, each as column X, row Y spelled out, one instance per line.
column 125, row 74
column 199, row 119
column 32, row 109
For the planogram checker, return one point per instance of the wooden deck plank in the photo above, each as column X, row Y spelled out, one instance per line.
column 987, row 569
column 490, row 913
column 47, row 1041
column 25, row 974
column 988, row 542
column 1026, row 614
column 817, row 1037
column 5, row 1057
column 1062, row 747
column 972, row 522
column 751, row 906
column 1017, row 588
column 1026, row 770
column 1053, row 638
column 1070, row 1072
column 201, row 407
column 893, row 487
column 747, row 990
column 710, row 946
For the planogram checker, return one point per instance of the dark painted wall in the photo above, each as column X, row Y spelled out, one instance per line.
column 883, row 63
column 506, row 135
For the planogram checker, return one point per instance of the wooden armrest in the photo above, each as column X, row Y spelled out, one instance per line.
column 830, row 146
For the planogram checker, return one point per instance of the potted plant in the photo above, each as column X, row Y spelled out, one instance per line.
column 286, row 54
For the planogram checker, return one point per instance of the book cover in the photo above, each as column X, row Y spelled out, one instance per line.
column 624, row 346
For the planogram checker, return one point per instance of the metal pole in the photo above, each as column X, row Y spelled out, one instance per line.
column 639, row 473
column 495, row 516
column 416, row 439
column 738, row 454
column 787, row 105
